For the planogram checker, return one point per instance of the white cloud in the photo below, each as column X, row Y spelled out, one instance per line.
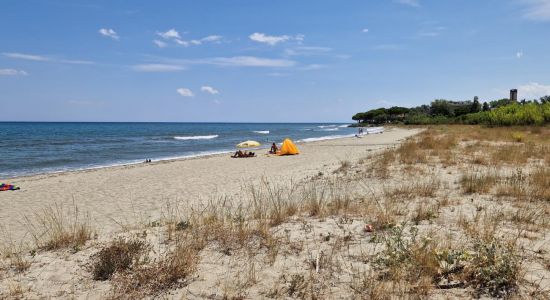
column 429, row 34
column 12, row 72
column 212, row 38
column 182, row 42
column 184, row 92
column 160, row 44
column 46, row 58
column 210, row 90
column 157, row 68
column 537, row 10
column 269, row 39
column 533, row 90
column 413, row 3
column 313, row 67
column 175, row 37
column 170, row 34
column 109, row 33
column 250, row 61
column 365, row 30
column 26, row 56
column 519, row 54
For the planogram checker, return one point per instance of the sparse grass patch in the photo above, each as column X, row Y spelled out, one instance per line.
column 57, row 227
column 477, row 181
column 345, row 165
column 172, row 270
column 425, row 211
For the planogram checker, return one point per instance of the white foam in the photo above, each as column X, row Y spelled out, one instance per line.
column 330, row 129
column 262, row 131
column 323, row 138
column 197, row 137
column 344, row 126
column 326, row 126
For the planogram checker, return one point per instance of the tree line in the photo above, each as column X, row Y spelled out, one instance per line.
column 502, row 112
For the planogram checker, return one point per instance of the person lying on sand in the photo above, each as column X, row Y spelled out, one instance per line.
column 240, row 154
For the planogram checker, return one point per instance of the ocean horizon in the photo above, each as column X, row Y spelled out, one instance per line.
column 31, row 148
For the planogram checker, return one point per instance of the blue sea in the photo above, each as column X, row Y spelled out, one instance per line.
column 28, row 148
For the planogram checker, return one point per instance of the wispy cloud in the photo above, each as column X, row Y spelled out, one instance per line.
column 158, row 68
column 109, row 33
column 533, row 90
column 413, row 3
column 210, row 90
column 26, row 56
column 432, row 32
column 312, row 67
column 185, row 92
column 12, row 72
column 45, row 58
column 212, row 38
column 537, row 10
column 272, row 40
column 168, row 64
column 365, row 30
column 160, row 44
column 307, row 51
column 519, row 54
column 174, row 36
column 170, row 34
column 252, row 61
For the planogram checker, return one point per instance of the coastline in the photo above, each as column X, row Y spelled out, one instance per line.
column 203, row 154
column 135, row 193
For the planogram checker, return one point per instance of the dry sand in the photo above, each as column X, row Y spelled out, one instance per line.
column 136, row 193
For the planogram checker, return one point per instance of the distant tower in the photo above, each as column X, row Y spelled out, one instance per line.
column 514, row 95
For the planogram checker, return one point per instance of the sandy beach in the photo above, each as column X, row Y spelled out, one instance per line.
column 347, row 218
column 127, row 195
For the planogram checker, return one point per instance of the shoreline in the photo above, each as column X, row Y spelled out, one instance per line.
column 200, row 155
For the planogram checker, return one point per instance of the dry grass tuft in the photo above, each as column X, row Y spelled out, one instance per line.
column 120, row 256
column 172, row 270
column 478, row 181
column 56, row 227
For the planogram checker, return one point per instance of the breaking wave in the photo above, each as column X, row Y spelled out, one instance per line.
column 196, row 137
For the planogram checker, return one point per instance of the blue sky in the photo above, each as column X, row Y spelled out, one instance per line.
column 282, row 61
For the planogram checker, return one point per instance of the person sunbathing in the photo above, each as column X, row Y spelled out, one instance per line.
column 238, row 153
column 274, row 149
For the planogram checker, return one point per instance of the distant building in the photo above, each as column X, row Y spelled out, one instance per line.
column 514, row 95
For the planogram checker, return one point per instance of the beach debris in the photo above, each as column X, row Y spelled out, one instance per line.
column 368, row 228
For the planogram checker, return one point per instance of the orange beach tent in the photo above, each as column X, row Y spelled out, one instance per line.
column 288, row 148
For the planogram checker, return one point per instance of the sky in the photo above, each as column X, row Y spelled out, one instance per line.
column 263, row 61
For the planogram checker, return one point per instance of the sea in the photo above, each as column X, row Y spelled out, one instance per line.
column 29, row 148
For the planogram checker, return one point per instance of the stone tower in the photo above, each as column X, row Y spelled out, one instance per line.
column 514, row 95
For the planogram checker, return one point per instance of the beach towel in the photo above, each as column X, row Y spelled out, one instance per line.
column 8, row 187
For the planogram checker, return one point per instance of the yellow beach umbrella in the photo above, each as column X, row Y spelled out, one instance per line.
column 248, row 144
